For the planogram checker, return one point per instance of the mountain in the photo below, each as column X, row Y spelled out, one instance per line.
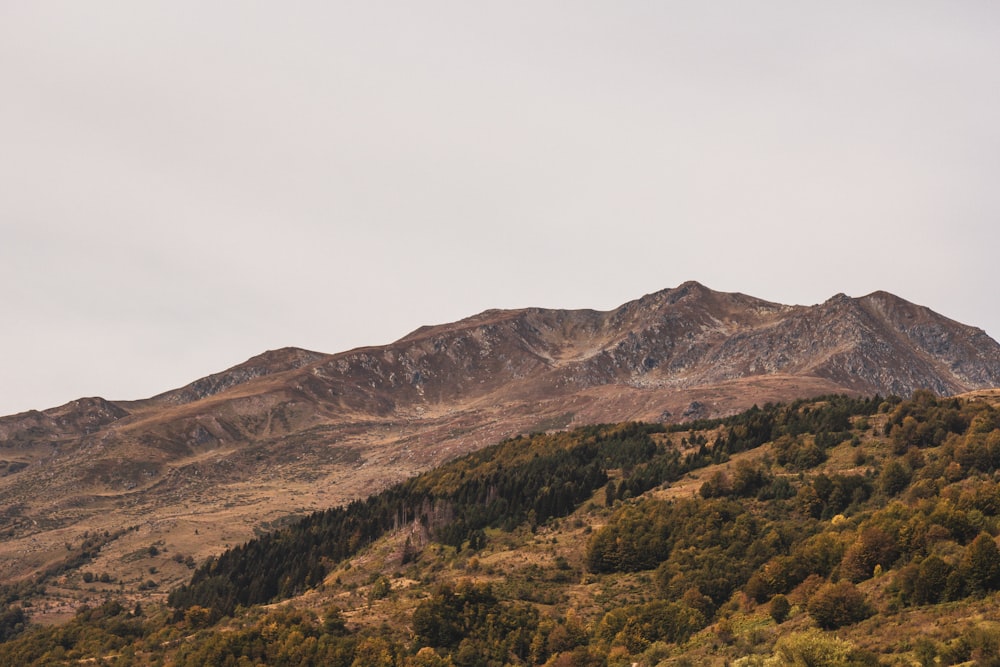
column 830, row 531
column 291, row 430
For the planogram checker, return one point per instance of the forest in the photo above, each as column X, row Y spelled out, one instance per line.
column 835, row 530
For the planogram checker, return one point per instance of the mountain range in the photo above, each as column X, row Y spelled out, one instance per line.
column 196, row 468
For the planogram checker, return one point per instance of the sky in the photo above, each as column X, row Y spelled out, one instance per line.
column 184, row 185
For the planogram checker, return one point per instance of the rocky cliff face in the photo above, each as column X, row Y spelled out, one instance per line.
column 293, row 430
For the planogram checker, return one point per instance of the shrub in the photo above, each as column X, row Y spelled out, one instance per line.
column 932, row 578
column 872, row 547
column 380, row 589
column 815, row 649
column 894, row 478
column 12, row 623
column 981, row 564
column 798, row 453
column 837, row 605
column 780, row 608
column 199, row 617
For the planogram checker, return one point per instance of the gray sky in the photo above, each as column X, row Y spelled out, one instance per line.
column 186, row 184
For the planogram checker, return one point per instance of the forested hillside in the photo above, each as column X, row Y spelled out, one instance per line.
column 829, row 531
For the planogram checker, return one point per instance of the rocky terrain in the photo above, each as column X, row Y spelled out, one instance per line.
column 290, row 431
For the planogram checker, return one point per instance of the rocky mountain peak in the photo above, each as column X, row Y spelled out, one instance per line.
column 681, row 337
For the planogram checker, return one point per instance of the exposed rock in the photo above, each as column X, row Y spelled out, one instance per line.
column 695, row 410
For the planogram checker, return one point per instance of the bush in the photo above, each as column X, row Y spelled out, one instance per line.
column 894, row 478
column 780, row 608
column 981, row 565
column 977, row 645
column 199, row 617
column 815, row 649
column 798, row 453
column 872, row 547
column 837, row 605
column 932, row 578
column 427, row 657
column 380, row 589
column 12, row 623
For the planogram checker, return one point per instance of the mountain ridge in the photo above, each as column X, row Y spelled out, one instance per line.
column 292, row 430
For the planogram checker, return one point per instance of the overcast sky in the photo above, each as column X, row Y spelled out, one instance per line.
column 184, row 185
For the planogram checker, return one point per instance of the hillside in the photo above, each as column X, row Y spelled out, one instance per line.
column 288, row 432
column 826, row 532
